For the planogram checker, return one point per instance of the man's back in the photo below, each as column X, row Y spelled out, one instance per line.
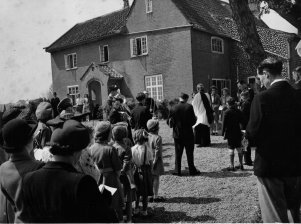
column 184, row 118
column 140, row 116
column 58, row 193
column 273, row 129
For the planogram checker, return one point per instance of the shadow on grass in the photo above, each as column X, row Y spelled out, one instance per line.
column 160, row 215
column 224, row 174
column 192, row 200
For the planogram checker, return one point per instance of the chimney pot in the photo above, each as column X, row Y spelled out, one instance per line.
column 126, row 4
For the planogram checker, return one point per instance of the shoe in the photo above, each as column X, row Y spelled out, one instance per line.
column 231, row 168
column 199, row 146
column 159, row 199
column 176, row 174
column 241, row 167
column 151, row 199
column 195, row 173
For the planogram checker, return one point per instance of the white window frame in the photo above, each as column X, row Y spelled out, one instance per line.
column 225, row 81
column 102, row 53
column 149, row 6
column 73, row 64
column 154, row 87
column 143, row 46
column 214, row 45
column 74, row 93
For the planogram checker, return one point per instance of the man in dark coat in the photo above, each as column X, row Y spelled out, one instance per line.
column 18, row 141
column 273, row 129
column 182, row 118
column 54, row 102
column 57, row 193
column 140, row 114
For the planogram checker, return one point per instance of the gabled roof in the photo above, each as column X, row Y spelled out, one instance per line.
column 105, row 69
column 92, row 30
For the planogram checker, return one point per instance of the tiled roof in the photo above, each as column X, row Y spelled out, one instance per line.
column 104, row 68
column 273, row 41
column 215, row 17
column 92, row 30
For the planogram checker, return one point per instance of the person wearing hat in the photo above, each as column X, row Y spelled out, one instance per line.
column 106, row 158
column 215, row 103
column 119, row 135
column 140, row 114
column 57, row 192
column 17, row 137
column 155, row 143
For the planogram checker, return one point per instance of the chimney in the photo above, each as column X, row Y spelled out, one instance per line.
column 126, row 4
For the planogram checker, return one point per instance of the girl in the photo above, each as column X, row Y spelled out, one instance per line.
column 119, row 134
column 142, row 158
column 155, row 143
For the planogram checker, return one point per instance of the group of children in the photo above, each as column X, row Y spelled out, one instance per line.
column 136, row 172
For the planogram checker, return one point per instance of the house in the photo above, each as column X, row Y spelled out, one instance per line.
column 163, row 46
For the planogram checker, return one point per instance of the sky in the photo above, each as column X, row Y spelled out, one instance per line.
column 27, row 26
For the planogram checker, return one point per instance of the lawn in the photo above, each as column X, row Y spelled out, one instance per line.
column 215, row 196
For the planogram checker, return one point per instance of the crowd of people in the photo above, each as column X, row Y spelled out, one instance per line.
column 58, row 167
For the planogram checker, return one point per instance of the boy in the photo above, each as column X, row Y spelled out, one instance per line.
column 231, row 131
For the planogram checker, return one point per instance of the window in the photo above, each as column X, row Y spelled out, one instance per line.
column 139, row 46
column 73, row 91
column 70, row 61
column 221, row 83
column 104, row 53
column 217, row 45
column 149, row 6
column 252, row 82
column 154, row 85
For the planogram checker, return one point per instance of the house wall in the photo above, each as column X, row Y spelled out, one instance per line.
column 207, row 65
column 165, row 14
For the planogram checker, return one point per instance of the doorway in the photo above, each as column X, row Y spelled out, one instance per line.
column 94, row 88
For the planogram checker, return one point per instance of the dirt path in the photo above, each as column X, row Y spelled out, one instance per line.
column 214, row 196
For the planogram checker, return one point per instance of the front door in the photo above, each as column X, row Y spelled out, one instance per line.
column 95, row 92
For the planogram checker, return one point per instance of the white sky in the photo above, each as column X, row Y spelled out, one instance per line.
column 26, row 27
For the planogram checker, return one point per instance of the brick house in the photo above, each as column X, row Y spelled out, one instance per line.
column 164, row 46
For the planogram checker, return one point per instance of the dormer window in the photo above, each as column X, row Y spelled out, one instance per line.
column 217, row 45
column 149, row 6
column 104, row 53
column 70, row 61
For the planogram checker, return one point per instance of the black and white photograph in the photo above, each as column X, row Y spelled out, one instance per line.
column 150, row 111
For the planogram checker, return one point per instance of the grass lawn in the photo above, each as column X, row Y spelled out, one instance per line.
column 215, row 196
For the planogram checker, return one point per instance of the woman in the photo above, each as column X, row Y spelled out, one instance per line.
column 215, row 103
column 225, row 96
column 106, row 158
column 18, row 141
column 57, row 192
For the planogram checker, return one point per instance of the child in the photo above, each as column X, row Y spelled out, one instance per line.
column 155, row 143
column 142, row 158
column 119, row 134
column 231, row 132
column 245, row 109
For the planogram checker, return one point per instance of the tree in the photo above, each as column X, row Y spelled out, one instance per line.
column 288, row 9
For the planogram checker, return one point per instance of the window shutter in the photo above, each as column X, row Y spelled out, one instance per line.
column 66, row 62
column 133, row 45
column 101, row 51
column 144, row 45
column 74, row 61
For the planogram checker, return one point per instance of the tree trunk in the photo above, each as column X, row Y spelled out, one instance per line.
column 246, row 27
